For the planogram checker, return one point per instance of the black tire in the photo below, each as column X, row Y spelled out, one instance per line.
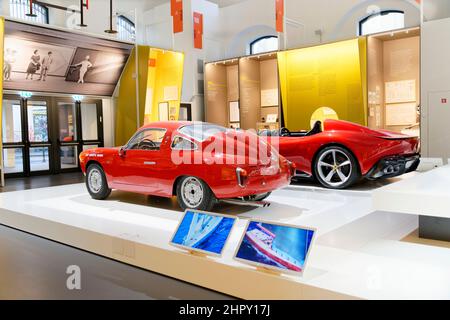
column 262, row 197
column 96, row 182
column 332, row 164
column 193, row 193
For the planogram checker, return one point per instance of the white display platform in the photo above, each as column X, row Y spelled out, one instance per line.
column 357, row 254
column 426, row 194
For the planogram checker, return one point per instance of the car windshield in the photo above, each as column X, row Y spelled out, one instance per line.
column 202, row 131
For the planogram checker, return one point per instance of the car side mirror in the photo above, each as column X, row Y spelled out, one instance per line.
column 122, row 152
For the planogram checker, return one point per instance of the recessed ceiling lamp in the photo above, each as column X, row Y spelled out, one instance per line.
column 111, row 30
column 31, row 13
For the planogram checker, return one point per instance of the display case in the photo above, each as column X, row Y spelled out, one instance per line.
column 394, row 81
column 243, row 93
column 222, row 93
column 259, row 91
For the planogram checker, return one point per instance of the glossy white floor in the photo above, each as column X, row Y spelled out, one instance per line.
column 358, row 253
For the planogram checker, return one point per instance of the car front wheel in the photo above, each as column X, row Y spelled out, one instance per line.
column 193, row 193
column 96, row 182
column 336, row 168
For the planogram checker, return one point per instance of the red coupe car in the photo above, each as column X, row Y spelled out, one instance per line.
column 193, row 161
column 342, row 153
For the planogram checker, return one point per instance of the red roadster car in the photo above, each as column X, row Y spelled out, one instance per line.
column 189, row 160
column 342, row 153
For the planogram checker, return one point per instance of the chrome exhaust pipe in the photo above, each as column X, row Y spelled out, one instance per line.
column 259, row 204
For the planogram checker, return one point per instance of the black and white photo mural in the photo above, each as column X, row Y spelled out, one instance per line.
column 41, row 59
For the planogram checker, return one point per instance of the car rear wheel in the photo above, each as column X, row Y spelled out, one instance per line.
column 96, row 182
column 193, row 193
column 336, row 168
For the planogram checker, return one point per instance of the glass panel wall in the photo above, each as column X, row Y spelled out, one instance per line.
column 67, row 122
column 39, row 159
column 69, row 157
column 89, row 121
column 37, row 121
column 13, row 160
column 11, row 121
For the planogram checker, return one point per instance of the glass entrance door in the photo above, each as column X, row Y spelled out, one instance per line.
column 46, row 135
column 68, row 144
column 37, row 143
column 79, row 127
column 91, row 125
column 26, row 143
column 13, row 138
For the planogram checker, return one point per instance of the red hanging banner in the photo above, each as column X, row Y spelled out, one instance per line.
column 176, row 10
column 198, row 30
column 279, row 15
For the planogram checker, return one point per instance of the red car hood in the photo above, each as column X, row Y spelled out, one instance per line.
column 338, row 125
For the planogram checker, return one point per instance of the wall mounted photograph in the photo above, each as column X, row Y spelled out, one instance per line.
column 51, row 62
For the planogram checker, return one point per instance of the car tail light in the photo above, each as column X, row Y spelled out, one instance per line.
column 242, row 176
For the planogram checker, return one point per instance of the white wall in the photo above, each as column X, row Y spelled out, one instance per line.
column 229, row 30
column 97, row 17
column 436, row 9
column 158, row 33
column 435, row 80
column 249, row 20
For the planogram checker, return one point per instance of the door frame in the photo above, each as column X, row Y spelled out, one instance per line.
column 53, row 143
column 26, row 144
column 188, row 107
column 79, row 142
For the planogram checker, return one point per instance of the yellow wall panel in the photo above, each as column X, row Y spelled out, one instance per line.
column 2, row 29
column 331, row 75
column 126, row 118
column 164, row 83
column 363, row 57
column 159, row 70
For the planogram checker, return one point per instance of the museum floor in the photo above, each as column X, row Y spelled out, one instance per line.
column 35, row 268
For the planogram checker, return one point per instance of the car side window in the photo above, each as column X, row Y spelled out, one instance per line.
column 148, row 139
column 180, row 143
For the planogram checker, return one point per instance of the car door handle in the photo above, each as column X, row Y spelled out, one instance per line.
column 150, row 163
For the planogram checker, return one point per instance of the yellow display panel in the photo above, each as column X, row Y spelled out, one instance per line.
column 126, row 117
column 332, row 75
column 2, row 30
column 164, row 82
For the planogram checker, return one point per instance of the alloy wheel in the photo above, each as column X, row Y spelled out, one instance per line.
column 95, row 180
column 192, row 192
column 334, row 167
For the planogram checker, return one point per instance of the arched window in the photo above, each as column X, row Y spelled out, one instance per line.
column 381, row 22
column 126, row 29
column 19, row 8
column 264, row 44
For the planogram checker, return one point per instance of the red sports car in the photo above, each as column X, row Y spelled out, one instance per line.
column 199, row 163
column 342, row 153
